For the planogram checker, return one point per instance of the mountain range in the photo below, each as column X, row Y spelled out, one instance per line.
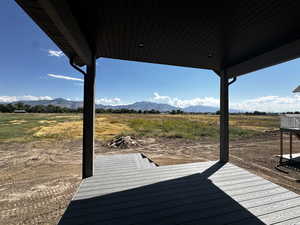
column 143, row 105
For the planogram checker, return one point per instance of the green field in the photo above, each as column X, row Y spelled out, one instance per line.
column 30, row 127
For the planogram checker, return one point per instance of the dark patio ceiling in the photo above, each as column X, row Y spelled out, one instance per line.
column 239, row 36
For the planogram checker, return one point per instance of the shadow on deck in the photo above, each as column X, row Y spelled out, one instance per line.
column 192, row 199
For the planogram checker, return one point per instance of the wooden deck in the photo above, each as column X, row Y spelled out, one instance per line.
column 130, row 190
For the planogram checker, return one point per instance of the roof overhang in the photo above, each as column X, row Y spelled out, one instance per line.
column 237, row 37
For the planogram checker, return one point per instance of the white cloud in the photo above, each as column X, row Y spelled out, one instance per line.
column 24, row 98
column 207, row 101
column 108, row 101
column 7, row 99
column 270, row 104
column 264, row 103
column 55, row 53
column 64, row 77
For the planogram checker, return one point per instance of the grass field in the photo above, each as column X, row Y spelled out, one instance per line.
column 30, row 127
column 41, row 154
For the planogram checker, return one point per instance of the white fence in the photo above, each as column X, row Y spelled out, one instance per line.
column 290, row 121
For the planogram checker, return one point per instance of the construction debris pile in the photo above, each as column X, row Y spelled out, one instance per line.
column 122, row 142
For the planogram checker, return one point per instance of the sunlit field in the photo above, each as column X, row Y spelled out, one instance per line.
column 40, row 154
column 30, row 127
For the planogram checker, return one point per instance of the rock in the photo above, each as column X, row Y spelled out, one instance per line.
column 122, row 142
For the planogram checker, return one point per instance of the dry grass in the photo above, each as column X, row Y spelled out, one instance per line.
column 61, row 130
column 105, row 129
column 17, row 122
column 195, row 126
column 30, row 127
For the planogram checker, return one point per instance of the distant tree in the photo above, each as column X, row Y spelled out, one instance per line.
column 27, row 108
column 50, row 109
column 19, row 105
column 10, row 108
column 259, row 113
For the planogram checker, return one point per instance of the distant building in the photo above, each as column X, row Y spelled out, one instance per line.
column 19, row 111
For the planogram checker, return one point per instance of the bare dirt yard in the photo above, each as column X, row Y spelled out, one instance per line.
column 40, row 162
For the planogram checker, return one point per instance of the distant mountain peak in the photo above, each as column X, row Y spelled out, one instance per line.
column 141, row 105
column 59, row 99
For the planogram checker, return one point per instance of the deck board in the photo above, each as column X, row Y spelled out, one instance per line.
column 126, row 190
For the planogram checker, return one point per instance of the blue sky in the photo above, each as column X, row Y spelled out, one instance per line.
column 32, row 67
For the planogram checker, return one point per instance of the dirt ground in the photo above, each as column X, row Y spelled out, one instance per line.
column 38, row 179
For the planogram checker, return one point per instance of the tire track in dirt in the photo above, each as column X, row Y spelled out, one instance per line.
column 37, row 182
column 46, row 201
column 50, row 192
column 32, row 210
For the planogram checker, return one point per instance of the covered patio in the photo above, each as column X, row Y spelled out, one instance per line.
column 129, row 189
column 232, row 38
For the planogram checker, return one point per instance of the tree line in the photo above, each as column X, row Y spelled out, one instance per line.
column 12, row 107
